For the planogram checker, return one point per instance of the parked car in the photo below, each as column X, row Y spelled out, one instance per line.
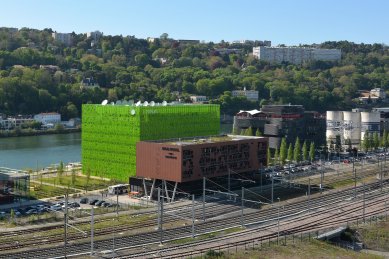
column 84, row 200
column 2, row 214
column 93, row 202
column 56, row 207
column 99, row 203
column 74, row 205
column 31, row 211
column 106, row 204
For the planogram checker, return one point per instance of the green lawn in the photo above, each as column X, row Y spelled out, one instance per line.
column 46, row 191
column 79, row 183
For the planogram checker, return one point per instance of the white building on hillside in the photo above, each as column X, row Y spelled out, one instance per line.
column 198, row 98
column 48, row 118
column 65, row 38
column 251, row 95
column 295, row 55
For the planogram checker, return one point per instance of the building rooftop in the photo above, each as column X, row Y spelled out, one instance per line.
column 203, row 140
column 8, row 173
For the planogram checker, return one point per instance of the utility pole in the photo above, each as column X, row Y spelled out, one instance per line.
column 117, row 203
column 272, row 188
column 193, row 216
column 364, row 203
column 161, row 229
column 159, row 208
column 278, row 224
column 381, row 176
column 261, row 175
column 204, row 199
column 321, row 177
column 66, row 224
column 229, row 181
column 309, row 195
column 355, row 182
column 91, row 230
column 242, row 206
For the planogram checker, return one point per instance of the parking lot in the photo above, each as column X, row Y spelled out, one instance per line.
column 102, row 203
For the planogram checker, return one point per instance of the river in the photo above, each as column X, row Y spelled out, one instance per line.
column 34, row 152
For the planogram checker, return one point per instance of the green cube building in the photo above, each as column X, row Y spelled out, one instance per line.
column 110, row 132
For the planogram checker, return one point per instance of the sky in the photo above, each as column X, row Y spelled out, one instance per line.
column 289, row 22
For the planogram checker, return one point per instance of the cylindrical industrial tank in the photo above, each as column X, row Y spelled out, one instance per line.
column 334, row 122
column 352, row 127
column 370, row 121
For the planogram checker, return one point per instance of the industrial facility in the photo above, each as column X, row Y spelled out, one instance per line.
column 14, row 185
column 351, row 126
column 110, row 132
column 191, row 159
column 278, row 121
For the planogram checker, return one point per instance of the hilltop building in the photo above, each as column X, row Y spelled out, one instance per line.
column 295, row 55
column 372, row 96
column 65, row 38
column 88, row 83
column 94, row 35
column 251, row 95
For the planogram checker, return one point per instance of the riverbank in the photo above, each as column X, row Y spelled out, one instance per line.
column 32, row 132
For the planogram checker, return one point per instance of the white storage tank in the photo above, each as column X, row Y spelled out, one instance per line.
column 370, row 121
column 334, row 125
column 352, row 127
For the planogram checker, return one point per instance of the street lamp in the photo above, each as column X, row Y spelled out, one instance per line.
column 278, row 224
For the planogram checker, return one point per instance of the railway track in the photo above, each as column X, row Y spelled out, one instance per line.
column 298, row 209
column 9, row 241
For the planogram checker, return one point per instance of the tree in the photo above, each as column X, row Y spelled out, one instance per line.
column 290, row 152
column 371, row 141
column 312, row 151
column 164, row 36
column 268, row 156
column 59, row 128
column 249, row 132
column 276, row 156
column 12, row 215
column 73, row 177
column 348, row 144
column 366, row 142
column 305, row 151
column 376, row 140
column 88, row 173
column 297, row 151
column 283, row 151
column 60, row 170
column 384, row 139
column 258, row 133
column 338, row 144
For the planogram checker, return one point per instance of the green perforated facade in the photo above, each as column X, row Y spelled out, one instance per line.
column 110, row 132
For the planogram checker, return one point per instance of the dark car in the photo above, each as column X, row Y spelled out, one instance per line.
column 74, row 205
column 93, row 202
column 106, row 204
column 99, row 203
column 84, row 200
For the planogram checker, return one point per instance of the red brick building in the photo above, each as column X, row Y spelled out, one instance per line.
column 191, row 159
